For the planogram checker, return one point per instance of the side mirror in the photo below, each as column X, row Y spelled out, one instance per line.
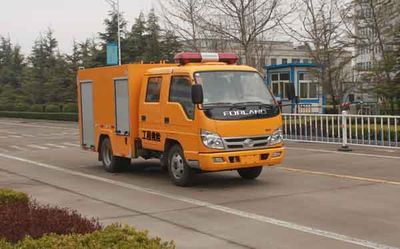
column 197, row 94
column 290, row 91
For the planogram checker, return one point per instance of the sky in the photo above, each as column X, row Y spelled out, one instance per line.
column 24, row 20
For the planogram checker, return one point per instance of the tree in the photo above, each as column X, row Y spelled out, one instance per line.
column 153, row 49
column 169, row 45
column 375, row 35
column 89, row 54
column 136, row 41
column 324, row 34
column 42, row 61
column 244, row 21
column 12, row 68
column 111, row 35
column 183, row 17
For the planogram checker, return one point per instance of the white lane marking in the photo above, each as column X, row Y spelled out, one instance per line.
column 71, row 144
column 39, row 126
column 56, row 145
column 7, row 132
column 342, row 153
column 14, row 136
column 224, row 209
column 16, row 147
column 27, row 135
column 37, row 146
column 56, row 134
column 357, row 178
column 3, row 137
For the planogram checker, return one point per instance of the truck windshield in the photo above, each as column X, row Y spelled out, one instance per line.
column 233, row 88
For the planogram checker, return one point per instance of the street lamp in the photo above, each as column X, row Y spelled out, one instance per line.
column 115, row 5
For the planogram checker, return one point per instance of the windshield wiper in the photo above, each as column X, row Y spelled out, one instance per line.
column 252, row 103
column 217, row 104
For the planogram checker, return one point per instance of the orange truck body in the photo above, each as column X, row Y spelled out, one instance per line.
column 113, row 104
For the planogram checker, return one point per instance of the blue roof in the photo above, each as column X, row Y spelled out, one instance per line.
column 289, row 65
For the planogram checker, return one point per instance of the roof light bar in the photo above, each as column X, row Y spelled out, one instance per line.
column 196, row 57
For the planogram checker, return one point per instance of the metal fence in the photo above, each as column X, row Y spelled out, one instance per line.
column 369, row 130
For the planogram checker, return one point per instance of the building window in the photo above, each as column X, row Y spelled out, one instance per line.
column 306, row 61
column 308, row 86
column 153, row 89
column 296, row 60
column 273, row 61
column 284, row 61
column 280, row 84
column 181, row 92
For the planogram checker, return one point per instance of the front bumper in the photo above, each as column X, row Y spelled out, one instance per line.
column 240, row 159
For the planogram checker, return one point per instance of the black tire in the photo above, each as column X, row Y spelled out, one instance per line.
column 250, row 173
column 112, row 163
column 164, row 162
column 179, row 171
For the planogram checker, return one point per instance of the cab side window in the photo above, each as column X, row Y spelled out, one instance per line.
column 153, row 89
column 181, row 92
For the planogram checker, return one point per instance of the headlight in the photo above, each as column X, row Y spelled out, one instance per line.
column 211, row 140
column 276, row 137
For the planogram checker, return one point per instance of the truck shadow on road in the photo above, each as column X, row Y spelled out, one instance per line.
column 151, row 171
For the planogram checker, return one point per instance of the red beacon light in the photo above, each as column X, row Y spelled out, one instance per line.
column 196, row 57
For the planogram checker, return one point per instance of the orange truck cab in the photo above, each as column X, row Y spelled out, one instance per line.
column 203, row 114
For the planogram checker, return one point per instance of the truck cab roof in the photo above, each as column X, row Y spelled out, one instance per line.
column 191, row 68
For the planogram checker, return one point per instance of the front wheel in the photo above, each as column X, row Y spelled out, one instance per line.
column 250, row 173
column 179, row 171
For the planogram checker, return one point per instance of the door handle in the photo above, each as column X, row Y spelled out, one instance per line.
column 166, row 120
column 143, row 117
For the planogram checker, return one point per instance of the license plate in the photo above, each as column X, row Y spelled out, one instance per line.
column 249, row 159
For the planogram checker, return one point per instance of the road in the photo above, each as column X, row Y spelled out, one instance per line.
column 319, row 198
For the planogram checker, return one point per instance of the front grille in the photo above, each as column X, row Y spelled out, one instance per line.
column 245, row 143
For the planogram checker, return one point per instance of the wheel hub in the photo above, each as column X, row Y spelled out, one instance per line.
column 177, row 166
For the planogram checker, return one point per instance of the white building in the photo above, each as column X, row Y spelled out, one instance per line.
column 368, row 50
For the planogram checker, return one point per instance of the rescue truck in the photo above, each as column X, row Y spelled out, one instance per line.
column 203, row 114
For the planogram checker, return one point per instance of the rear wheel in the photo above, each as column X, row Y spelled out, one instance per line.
column 250, row 173
column 112, row 163
column 179, row 171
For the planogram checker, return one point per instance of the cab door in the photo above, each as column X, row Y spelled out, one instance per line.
column 150, row 113
column 178, row 115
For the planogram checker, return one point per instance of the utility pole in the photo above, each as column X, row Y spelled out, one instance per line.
column 115, row 5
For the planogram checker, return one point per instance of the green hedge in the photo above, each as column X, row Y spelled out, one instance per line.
column 52, row 108
column 9, row 196
column 40, row 115
column 113, row 236
column 70, row 107
column 37, row 108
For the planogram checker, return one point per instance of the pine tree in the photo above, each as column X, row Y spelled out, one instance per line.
column 111, row 35
column 169, row 45
column 12, row 68
column 153, row 48
column 42, row 60
column 136, row 41
column 89, row 54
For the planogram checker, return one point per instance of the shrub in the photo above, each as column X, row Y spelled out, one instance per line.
column 7, row 107
column 9, row 196
column 70, row 107
column 52, row 108
column 18, row 220
column 113, row 236
column 21, row 107
column 37, row 108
